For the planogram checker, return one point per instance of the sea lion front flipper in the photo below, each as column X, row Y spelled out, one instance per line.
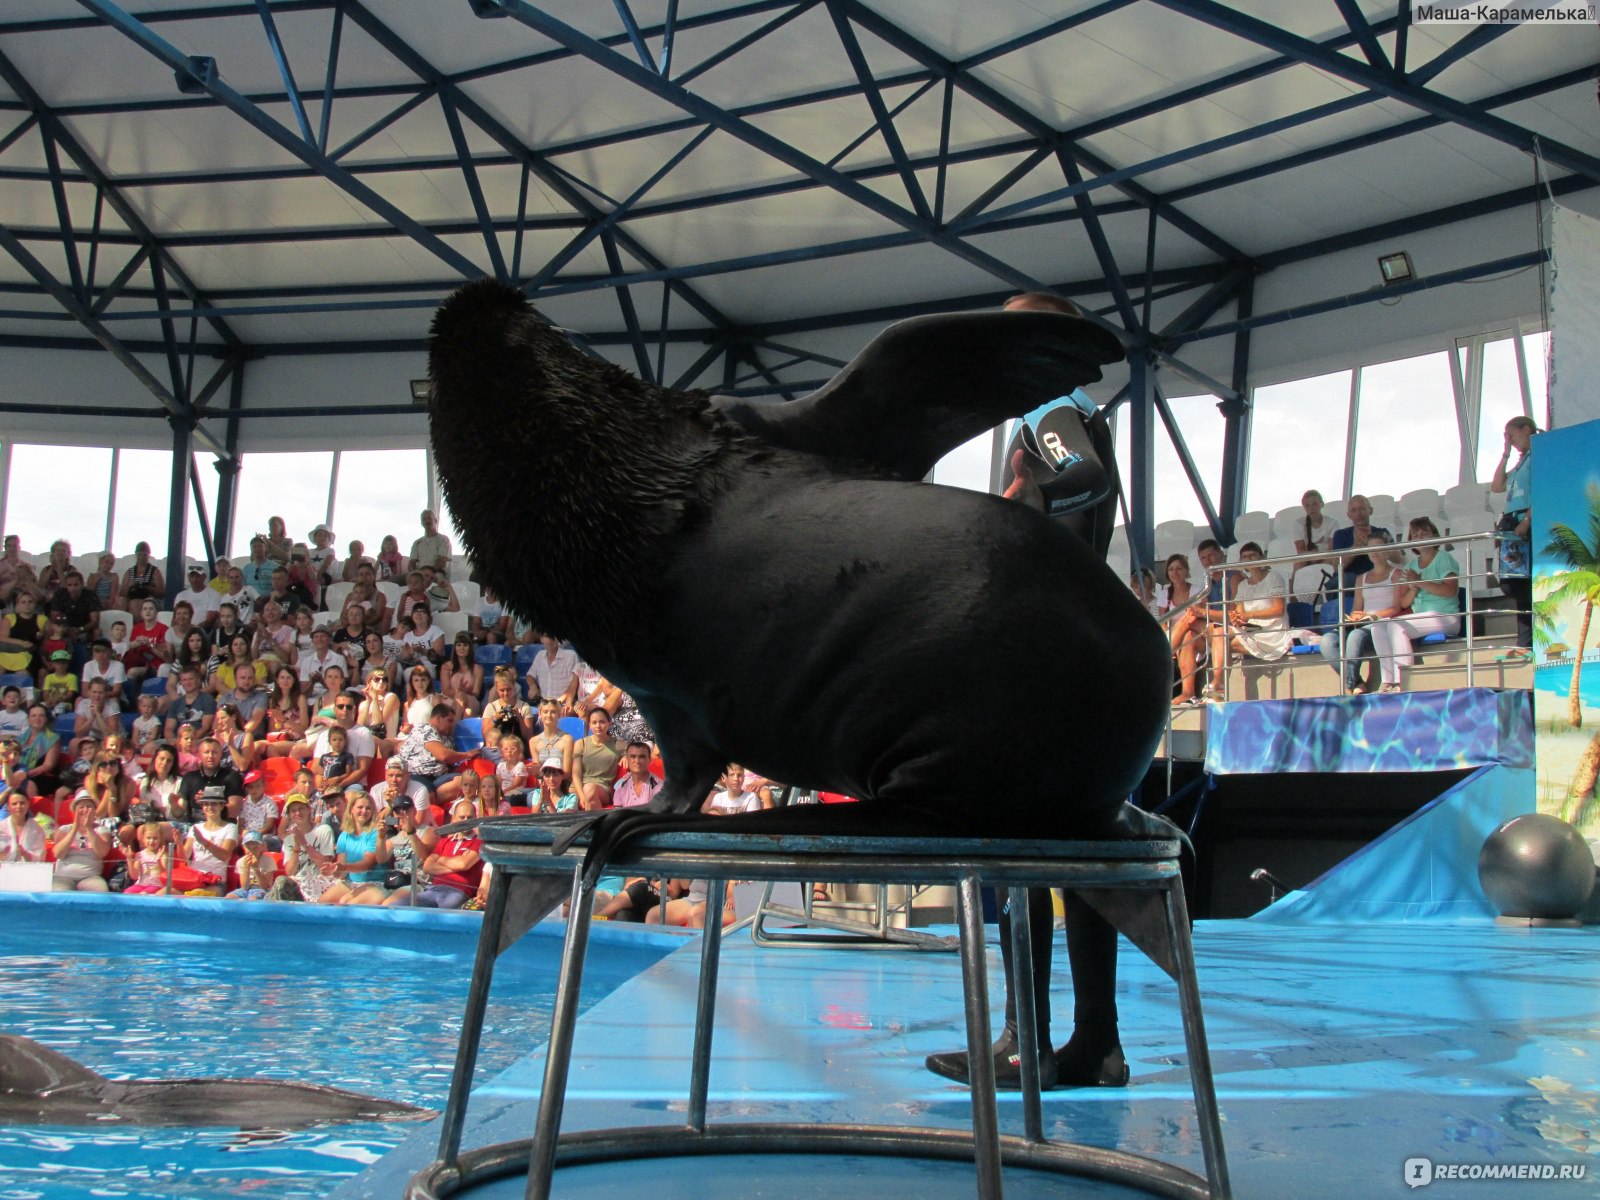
column 925, row 386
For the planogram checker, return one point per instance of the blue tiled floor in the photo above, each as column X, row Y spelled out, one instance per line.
column 1340, row 1052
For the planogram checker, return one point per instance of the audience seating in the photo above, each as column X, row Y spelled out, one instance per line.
column 452, row 623
column 491, row 656
column 572, row 726
column 469, row 733
column 109, row 616
column 1289, row 522
column 335, row 594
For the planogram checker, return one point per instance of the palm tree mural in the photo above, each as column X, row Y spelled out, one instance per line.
column 1580, row 581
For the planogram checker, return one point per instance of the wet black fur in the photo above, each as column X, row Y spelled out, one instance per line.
column 774, row 587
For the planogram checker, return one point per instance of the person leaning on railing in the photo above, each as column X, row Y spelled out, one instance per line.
column 1517, row 484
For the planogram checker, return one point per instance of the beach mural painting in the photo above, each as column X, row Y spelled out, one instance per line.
column 1566, row 635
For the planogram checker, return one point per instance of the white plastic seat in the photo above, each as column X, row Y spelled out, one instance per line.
column 469, row 594
column 1467, row 498
column 1173, row 537
column 1253, row 526
column 335, row 594
column 1386, row 514
column 1288, row 522
column 109, row 615
column 1424, row 502
column 452, row 623
column 124, row 562
column 391, row 590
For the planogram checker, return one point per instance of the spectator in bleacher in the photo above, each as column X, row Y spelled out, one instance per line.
column 378, row 661
column 101, row 665
column 218, row 582
column 21, row 837
column 211, row 844
column 192, row 705
column 94, row 716
column 353, row 561
column 259, row 812
column 409, row 843
column 278, row 545
column 350, row 638
column 594, row 761
column 304, row 582
column 147, row 645
column 551, row 738
column 639, row 786
column 240, row 595
column 161, row 782
column 58, row 685
column 430, row 755
column 257, row 870
column 10, row 560
column 105, row 583
column 53, row 575
column 432, row 549
column 335, row 768
column 374, row 604
column 440, row 592
column 455, row 866
column 324, row 559
column 491, row 623
column 13, row 716
column 238, row 745
column 308, row 853
column 143, row 579
column 1517, row 486
column 1354, row 536
column 421, row 641
column 1316, row 531
column 215, row 778
column 281, row 594
column 398, row 786
column 461, row 678
column 553, row 794
column 732, row 798
column 391, row 564
column 225, row 669
column 108, row 784
column 1431, row 590
column 178, row 629
column 202, row 601
column 378, row 709
column 314, row 666
column 81, row 851
column 1188, row 629
column 1257, row 621
column 516, row 773
column 415, row 593
column 628, row 723
column 250, row 700
column 39, row 753
column 595, row 691
column 257, row 571
column 228, row 627
column 193, row 653
column 360, row 742
column 417, row 705
column 285, row 706
column 553, row 674
column 274, row 638
column 21, row 632
column 1151, row 594
column 506, row 711
column 77, row 609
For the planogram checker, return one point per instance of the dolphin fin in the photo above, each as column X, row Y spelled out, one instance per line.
column 27, row 1067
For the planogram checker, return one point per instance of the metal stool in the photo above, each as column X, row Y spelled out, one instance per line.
column 1136, row 885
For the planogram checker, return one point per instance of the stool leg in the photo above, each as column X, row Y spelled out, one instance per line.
column 1022, row 968
column 455, row 1109
column 980, row 1052
column 705, row 1007
column 558, row 1058
column 1194, row 1036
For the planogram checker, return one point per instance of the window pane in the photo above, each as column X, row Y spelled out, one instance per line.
column 1297, row 441
column 291, row 486
column 1407, row 437
column 144, row 494
column 1202, row 427
column 380, row 492
column 39, row 509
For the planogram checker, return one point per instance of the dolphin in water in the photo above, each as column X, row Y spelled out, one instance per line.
column 39, row 1086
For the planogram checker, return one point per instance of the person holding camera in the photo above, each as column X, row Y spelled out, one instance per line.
column 506, row 712
column 409, row 844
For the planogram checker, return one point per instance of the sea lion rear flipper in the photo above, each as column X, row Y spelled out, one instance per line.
column 925, row 386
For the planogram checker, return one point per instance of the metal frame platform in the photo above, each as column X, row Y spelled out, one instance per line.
column 1135, row 884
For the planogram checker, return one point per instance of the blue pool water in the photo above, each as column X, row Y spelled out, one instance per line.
column 1557, row 677
column 169, row 989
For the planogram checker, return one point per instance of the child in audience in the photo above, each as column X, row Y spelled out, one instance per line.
column 490, row 802
column 13, row 717
column 257, row 870
column 471, row 784
column 59, row 686
column 211, row 844
column 53, row 641
column 332, row 769
column 259, row 813
column 733, row 798
column 119, row 639
column 512, row 770
column 148, row 867
column 188, row 749
column 146, row 729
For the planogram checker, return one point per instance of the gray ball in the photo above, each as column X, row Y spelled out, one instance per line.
column 1536, row 866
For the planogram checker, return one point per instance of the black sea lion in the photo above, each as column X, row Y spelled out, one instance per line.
column 774, row 587
column 39, row 1086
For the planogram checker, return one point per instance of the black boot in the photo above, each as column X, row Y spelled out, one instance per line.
column 1079, row 1066
column 1007, row 1064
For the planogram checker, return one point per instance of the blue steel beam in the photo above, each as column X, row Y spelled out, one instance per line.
column 1386, row 83
column 630, row 316
column 1191, row 469
column 630, row 26
column 469, row 172
column 880, row 111
column 739, row 44
column 1101, row 246
column 58, row 192
column 1473, row 40
column 1365, row 38
column 668, row 36
column 335, row 37
column 1023, row 119
column 1236, row 418
column 697, row 106
column 258, row 120
column 291, row 89
column 69, row 303
column 538, row 163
